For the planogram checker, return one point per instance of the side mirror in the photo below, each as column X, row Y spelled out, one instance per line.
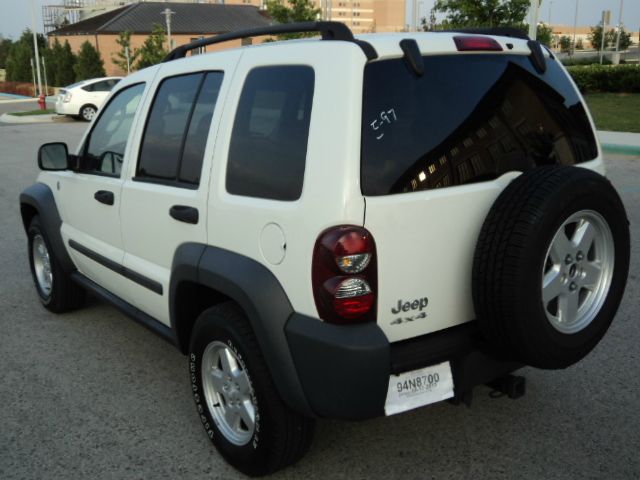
column 53, row 157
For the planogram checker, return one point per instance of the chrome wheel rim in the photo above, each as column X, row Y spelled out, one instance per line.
column 578, row 271
column 88, row 113
column 228, row 393
column 42, row 265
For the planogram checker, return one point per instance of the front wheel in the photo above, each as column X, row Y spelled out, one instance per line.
column 236, row 399
column 56, row 290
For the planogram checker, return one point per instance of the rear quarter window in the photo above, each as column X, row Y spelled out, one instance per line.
column 469, row 118
column 268, row 148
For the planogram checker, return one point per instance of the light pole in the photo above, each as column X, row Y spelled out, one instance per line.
column 619, row 27
column 550, row 6
column 168, row 13
column 533, row 24
column 35, row 46
column 575, row 29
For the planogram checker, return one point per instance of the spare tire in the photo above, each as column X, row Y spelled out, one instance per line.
column 551, row 265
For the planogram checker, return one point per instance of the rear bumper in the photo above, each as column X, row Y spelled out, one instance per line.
column 344, row 370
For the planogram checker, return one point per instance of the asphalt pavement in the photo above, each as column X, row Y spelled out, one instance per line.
column 93, row 395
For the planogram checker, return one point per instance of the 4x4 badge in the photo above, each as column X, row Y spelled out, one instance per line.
column 400, row 320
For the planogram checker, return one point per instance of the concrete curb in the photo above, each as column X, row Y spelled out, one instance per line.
column 20, row 100
column 626, row 143
column 54, row 118
column 623, row 149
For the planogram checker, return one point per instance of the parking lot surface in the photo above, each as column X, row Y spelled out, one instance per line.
column 93, row 395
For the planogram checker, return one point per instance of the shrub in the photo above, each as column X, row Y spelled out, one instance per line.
column 603, row 78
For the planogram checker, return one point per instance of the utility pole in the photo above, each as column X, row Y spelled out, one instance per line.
column 550, row 6
column 533, row 19
column 35, row 46
column 575, row 29
column 606, row 17
column 46, row 82
column 168, row 13
column 619, row 27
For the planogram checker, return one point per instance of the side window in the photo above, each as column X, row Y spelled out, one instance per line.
column 177, row 129
column 268, row 148
column 104, row 150
column 104, row 86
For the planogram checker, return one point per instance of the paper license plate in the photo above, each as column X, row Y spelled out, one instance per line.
column 417, row 388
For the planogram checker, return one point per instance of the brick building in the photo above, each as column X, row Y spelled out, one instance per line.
column 189, row 22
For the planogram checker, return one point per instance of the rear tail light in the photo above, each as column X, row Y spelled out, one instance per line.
column 470, row 43
column 344, row 275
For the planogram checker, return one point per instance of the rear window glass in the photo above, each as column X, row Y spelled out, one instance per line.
column 268, row 148
column 469, row 118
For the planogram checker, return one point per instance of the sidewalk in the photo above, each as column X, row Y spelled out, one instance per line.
column 620, row 142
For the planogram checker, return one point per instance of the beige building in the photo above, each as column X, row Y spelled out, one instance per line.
column 361, row 16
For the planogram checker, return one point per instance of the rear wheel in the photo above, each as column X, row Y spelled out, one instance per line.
column 236, row 399
column 56, row 290
column 551, row 265
column 88, row 112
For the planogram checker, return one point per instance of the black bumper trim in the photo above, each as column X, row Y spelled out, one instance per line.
column 344, row 369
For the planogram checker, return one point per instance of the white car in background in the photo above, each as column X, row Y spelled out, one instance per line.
column 83, row 99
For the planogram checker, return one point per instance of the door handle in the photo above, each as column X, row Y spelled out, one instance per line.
column 185, row 214
column 104, row 196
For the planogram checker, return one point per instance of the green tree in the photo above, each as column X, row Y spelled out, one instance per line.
column 5, row 46
column 625, row 39
column 292, row 11
column 579, row 44
column 60, row 64
column 120, row 57
column 544, row 34
column 89, row 63
column 595, row 37
column 483, row 13
column 18, row 64
column 152, row 51
column 565, row 44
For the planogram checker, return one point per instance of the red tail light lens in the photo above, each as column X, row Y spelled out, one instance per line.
column 344, row 275
column 469, row 43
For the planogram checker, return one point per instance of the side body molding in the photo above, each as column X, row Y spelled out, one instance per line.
column 38, row 199
column 258, row 293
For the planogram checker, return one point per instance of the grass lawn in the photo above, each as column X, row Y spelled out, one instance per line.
column 48, row 111
column 616, row 112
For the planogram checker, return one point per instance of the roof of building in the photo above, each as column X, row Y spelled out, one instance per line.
column 188, row 18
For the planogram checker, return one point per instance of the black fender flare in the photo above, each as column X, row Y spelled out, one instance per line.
column 259, row 293
column 40, row 197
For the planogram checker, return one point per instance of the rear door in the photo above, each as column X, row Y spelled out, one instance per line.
column 437, row 150
column 164, row 199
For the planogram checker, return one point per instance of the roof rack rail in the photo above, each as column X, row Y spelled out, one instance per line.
column 499, row 31
column 328, row 31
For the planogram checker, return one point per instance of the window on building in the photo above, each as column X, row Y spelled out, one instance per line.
column 268, row 148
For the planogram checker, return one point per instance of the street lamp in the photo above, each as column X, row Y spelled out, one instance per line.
column 168, row 13
column 35, row 46
column 575, row 29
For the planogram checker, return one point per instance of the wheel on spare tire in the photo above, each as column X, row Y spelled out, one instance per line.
column 56, row 290
column 235, row 396
column 551, row 265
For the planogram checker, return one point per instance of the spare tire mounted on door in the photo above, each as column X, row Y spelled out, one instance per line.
column 551, row 265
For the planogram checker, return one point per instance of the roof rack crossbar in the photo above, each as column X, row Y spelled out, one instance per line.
column 327, row 30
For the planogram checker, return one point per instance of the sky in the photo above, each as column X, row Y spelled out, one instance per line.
column 15, row 15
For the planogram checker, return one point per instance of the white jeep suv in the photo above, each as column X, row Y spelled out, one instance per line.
column 339, row 228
